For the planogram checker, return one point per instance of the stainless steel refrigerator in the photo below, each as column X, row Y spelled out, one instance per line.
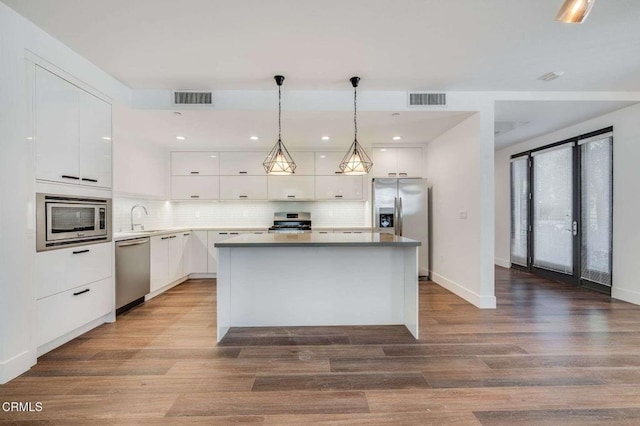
column 400, row 207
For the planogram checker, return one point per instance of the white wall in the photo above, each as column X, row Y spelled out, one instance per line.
column 626, row 201
column 17, row 178
column 140, row 169
column 453, row 168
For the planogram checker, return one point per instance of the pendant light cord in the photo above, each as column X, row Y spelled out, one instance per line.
column 355, row 113
column 279, row 113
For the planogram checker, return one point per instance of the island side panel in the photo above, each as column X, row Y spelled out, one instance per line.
column 306, row 286
column 411, row 290
column 223, row 292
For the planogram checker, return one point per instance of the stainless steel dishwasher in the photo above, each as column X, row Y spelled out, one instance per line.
column 133, row 280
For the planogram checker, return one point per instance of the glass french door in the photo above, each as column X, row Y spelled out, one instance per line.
column 561, row 210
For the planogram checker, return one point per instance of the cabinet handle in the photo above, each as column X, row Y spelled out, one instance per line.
column 223, row 233
column 164, row 238
column 195, row 196
column 403, row 174
column 81, row 251
column 70, row 177
column 291, row 196
column 338, row 196
column 233, row 233
column 338, row 173
column 186, row 235
column 244, row 196
column 195, row 173
column 323, row 232
column 391, row 174
column 173, row 236
column 90, row 180
column 86, row 290
column 243, row 173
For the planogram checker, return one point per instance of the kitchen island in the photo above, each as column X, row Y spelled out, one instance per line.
column 315, row 279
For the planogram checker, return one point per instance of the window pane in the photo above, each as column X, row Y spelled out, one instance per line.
column 596, row 211
column 553, row 211
column 519, row 206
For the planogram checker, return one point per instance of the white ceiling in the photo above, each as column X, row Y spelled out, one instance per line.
column 488, row 45
column 300, row 130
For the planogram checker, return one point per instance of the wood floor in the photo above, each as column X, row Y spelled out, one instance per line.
column 549, row 354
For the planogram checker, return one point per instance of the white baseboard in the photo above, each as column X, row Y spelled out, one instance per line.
column 630, row 296
column 16, row 365
column 165, row 288
column 482, row 302
column 201, row 275
column 43, row 349
column 505, row 263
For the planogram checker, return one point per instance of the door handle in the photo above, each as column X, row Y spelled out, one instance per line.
column 400, row 218
column 575, row 228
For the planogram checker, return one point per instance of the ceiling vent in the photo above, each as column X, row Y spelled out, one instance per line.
column 427, row 99
column 192, row 98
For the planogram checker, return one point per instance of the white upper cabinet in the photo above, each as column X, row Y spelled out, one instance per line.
column 56, row 123
column 339, row 187
column 305, row 163
column 195, row 163
column 73, row 133
column 397, row 162
column 328, row 162
column 95, row 141
column 291, row 188
column 243, row 187
column 195, row 187
column 242, row 163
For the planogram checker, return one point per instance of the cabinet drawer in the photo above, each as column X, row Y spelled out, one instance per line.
column 194, row 163
column 195, row 187
column 64, row 269
column 243, row 187
column 242, row 163
column 64, row 312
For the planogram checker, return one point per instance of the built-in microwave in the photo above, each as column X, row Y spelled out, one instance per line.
column 64, row 221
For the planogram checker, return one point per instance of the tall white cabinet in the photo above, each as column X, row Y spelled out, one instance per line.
column 72, row 133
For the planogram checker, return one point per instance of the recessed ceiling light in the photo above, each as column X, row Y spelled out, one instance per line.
column 181, row 138
column 383, row 149
column 325, row 138
column 106, row 138
column 254, row 138
column 29, row 138
column 397, row 138
column 213, row 156
column 323, row 156
column 551, row 75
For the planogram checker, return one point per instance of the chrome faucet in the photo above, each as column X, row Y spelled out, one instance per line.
column 133, row 225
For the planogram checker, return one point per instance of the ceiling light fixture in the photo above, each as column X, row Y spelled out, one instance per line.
column 325, row 138
column 397, row 138
column 181, row 138
column 574, row 11
column 254, row 138
column 279, row 161
column 356, row 161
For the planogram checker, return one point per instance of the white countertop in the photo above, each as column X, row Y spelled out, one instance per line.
column 316, row 239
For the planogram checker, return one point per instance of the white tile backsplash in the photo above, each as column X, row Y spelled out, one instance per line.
column 164, row 214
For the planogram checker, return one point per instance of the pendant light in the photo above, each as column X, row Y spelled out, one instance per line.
column 356, row 161
column 279, row 161
column 574, row 11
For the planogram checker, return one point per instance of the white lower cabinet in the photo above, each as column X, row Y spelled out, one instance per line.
column 60, row 270
column 195, row 257
column 212, row 238
column 64, row 312
column 166, row 260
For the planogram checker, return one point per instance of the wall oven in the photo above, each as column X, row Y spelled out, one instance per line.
column 66, row 221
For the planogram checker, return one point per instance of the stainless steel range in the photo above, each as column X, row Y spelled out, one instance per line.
column 297, row 223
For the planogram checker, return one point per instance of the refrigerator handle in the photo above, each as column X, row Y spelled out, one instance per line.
column 395, row 216
column 374, row 225
column 400, row 216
